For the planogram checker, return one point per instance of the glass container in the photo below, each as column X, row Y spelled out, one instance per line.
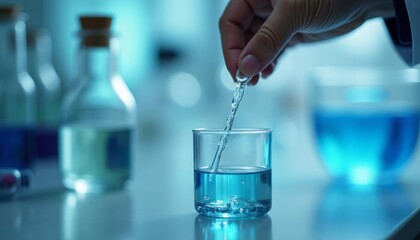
column 17, row 92
column 365, row 121
column 48, row 92
column 98, row 125
column 240, row 185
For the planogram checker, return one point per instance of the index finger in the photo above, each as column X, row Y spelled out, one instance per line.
column 233, row 24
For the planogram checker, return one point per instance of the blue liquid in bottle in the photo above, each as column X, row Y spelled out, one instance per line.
column 47, row 143
column 234, row 191
column 16, row 147
column 365, row 148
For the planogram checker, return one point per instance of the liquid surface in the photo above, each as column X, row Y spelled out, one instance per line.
column 233, row 192
column 365, row 148
column 95, row 158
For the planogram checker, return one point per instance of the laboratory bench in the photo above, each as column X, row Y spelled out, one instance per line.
column 159, row 204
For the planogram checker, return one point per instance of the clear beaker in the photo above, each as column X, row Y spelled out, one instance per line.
column 240, row 186
column 365, row 121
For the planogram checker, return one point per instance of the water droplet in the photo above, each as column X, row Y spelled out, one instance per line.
column 240, row 77
column 206, row 198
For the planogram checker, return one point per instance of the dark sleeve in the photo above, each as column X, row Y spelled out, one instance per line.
column 400, row 31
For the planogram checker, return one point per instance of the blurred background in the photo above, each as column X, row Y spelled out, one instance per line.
column 170, row 56
column 171, row 59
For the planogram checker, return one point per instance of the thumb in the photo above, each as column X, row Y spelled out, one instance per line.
column 268, row 42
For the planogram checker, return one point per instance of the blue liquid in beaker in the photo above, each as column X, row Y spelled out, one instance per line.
column 365, row 147
column 233, row 191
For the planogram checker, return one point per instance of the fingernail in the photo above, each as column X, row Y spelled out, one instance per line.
column 250, row 65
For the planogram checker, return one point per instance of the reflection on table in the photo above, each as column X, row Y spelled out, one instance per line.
column 360, row 212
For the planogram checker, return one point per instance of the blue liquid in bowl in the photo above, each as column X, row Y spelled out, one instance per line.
column 365, row 148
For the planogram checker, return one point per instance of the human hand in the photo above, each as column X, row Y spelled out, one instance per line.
column 255, row 32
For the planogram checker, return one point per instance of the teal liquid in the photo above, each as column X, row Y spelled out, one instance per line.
column 233, row 191
column 95, row 158
column 366, row 148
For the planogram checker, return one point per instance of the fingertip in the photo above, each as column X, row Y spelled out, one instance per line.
column 268, row 70
column 231, row 61
column 254, row 80
column 250, row 65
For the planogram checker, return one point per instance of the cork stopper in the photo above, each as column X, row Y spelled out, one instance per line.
column 9, row 11
column 95, row 30
column 96, row 22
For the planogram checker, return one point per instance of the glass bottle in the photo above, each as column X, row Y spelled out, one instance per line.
column 97, row 132
column 48, row 92
column 17, row 92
